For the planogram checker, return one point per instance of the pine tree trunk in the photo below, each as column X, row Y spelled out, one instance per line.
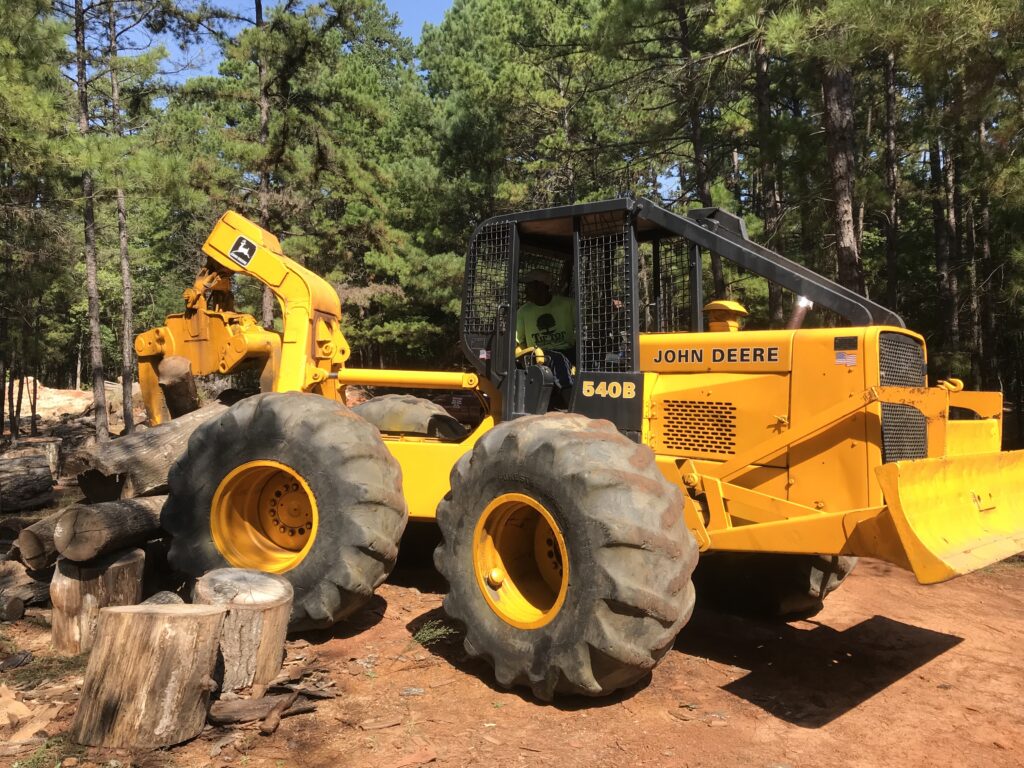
column 838, row 98
column 127, row 336
column 89, row 216
column 267, row 309
column 770, row 199
column 946, row 282
column 700, row 170
column 990, row 284
column 892, row 180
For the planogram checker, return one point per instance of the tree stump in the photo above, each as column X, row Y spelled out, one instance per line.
column 25, row 481
column 85, row 531
column 252, row 641
column 79, row 590
column 149, row 677
column 35, row 543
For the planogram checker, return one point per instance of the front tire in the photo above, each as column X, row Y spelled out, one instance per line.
column 295, row 484
column 567, row 556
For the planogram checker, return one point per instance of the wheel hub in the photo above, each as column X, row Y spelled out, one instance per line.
column 520, row 559
column 263, row 516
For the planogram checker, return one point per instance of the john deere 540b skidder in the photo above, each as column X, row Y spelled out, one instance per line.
column 570, row 533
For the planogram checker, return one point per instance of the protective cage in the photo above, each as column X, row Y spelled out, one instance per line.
column 632, row 266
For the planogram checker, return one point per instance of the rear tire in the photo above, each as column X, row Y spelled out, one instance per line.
column 770, row 585
column 625, row 591
column 349, row 480
column 409, row 415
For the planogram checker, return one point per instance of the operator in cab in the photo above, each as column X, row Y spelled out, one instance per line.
column 547, row 321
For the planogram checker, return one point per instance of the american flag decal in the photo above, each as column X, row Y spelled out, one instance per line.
column 849, row 359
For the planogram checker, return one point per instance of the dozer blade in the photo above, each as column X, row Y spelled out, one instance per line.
column 956, row 514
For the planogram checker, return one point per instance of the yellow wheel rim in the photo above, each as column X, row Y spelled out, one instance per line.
column 520, row 560
column 264, row 516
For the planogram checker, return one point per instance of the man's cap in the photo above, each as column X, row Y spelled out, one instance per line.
column 539, row 276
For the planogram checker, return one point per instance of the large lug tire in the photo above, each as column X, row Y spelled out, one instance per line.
column 409, row 415
column 566, row 554
column 294, row 484
column 770, row 585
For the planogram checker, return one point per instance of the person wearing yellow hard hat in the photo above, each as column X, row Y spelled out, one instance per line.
column 724, row 315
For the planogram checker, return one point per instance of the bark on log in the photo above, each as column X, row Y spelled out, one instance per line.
column 48, row 446
column 137, row 464
column 79, row 590
column 11, row 608
column 250, row 710
column 252, row 643
column 25, row 481
column 85, row 531
column 163, row 598
column 174, row 375
column 149, row 677
column 35, row 543
column 32, row 587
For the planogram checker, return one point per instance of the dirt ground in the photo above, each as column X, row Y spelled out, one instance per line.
column 889, row 674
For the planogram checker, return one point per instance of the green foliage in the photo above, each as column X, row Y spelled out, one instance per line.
column 381, row 156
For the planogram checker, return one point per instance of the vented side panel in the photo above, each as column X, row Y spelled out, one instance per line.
column 901, row 361
column 604, row 340
column 486, row 284
column 904, row 429
column 695, row 426
column 904, row 433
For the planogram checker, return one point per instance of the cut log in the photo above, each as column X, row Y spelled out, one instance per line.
column 79, row 590
column 35, row 543
column 259, row 605
column 31, row 587
column 149, row 677
column 48, row 446
column 85, row 531
column 174, row 375
column 137, row 464
column 25, row 481
column 11, row 608
column 163, row 598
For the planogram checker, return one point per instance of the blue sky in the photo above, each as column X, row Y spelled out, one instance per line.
column 414, row 13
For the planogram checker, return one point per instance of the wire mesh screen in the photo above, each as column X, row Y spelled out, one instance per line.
column 670, row 287
column 486, row 285
column 558, row 264
column 605, row 338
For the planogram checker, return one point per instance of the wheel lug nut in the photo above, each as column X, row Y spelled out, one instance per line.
column 495, row 578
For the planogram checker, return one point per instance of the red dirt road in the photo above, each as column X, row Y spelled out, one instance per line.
column 889, row 674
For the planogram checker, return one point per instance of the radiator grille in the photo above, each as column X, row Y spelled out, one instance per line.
column 693, row 426
column 904, row 433
column 901, row 361
column 904, row 429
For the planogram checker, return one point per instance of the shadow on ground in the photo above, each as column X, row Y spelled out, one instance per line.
column 365, row 618
column 451, row 650
column 807, row 673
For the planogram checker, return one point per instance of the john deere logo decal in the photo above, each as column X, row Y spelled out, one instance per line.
column 242, row 251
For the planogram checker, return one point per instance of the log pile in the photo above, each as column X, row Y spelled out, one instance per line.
column 155, row 665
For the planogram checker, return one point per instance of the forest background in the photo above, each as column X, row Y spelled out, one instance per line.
column 877, row 141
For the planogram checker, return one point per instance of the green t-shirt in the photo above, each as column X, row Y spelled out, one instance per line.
column 550, row 327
